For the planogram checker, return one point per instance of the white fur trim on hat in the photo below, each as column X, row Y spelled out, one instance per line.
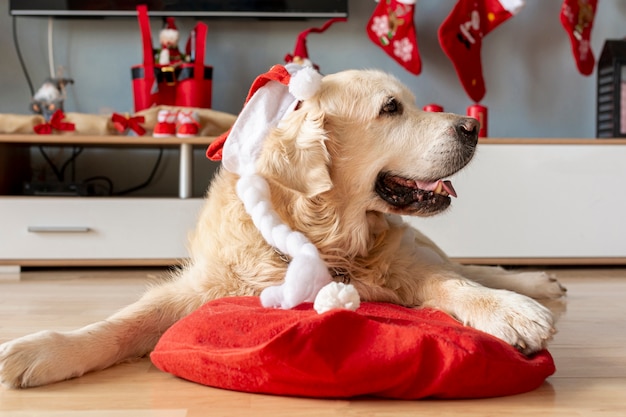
column 262, row 112
column 512, row 6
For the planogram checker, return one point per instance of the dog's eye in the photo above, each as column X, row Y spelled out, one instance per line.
column 391, row 106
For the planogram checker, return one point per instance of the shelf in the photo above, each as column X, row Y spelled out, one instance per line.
column 104, row 140
column 185, row 145
column 544, row 261
column 551, row 141
column 207, row 140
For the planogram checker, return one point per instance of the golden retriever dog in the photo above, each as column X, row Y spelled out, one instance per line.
column 342, row 168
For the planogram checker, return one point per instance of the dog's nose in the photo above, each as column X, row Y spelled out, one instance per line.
column 467, row 130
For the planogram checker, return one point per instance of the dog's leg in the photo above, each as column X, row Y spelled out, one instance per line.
column 535, row 284
column 539, row 285
column 48, row 356
column 512, row 317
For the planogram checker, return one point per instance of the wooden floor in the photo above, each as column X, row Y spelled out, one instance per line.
column 589, row 351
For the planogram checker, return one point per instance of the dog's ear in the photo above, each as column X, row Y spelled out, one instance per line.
column 295, row 155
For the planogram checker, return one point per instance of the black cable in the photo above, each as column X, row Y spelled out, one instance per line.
column 21, row 59
column 101, row 178
column 54, row 168
column 129, row 190
column 75, row 152
column 148, row 181
column 60, row 173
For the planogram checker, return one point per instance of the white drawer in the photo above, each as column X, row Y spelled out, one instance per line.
column 95, row 228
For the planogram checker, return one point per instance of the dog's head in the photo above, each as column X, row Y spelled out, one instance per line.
column 363, row 140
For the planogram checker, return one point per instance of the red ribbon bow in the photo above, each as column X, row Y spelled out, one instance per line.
column 55, row 122
column 122, row 123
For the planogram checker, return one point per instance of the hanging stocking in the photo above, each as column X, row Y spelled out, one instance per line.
column 577, row 19
column 461, row 34
column 391, row 27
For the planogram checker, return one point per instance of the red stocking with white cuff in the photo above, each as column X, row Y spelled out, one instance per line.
column 577, row 18
column 461, row 34
column 392, row 28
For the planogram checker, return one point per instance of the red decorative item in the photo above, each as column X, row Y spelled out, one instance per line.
column 577, row 18
column 187, row 84
column 479, row 113
column 187, row 125
column 169, row 53
column 391, row 27
column 123, row 123
column 55, row 123
column 381, row 349
column 166, row 123
column 461, row 34
column 300, row 53
column 436, row 108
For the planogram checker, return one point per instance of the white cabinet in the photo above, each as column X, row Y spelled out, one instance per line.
column 537, row 201
column 72, row 231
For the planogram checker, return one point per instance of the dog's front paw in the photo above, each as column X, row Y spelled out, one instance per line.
column 37, row 359
column 541, row 285
column 514, row 318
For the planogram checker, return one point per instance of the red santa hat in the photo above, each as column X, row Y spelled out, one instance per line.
column 272, row 97
column 300, row 53
column 170, row 23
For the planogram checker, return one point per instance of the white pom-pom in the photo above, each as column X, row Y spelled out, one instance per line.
column 337, row 295
column 305, row 83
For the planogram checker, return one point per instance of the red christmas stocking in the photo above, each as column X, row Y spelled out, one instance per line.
column 461, row 34
column 392, row 28
column 577, row 19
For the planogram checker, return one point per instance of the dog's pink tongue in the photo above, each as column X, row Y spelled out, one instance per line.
column 447, row 185
column 437, row 185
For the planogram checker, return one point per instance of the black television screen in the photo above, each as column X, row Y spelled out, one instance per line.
column 295, row 9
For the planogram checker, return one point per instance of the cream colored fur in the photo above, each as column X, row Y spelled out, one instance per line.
column 321, row 163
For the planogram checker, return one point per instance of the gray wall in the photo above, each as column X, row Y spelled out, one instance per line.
column 533, row 86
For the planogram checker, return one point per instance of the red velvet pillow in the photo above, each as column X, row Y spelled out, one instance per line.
column 381, row 349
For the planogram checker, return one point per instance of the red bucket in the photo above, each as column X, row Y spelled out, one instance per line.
column 186, row 85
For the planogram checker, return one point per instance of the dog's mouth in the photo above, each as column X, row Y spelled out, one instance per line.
column 409, row 196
